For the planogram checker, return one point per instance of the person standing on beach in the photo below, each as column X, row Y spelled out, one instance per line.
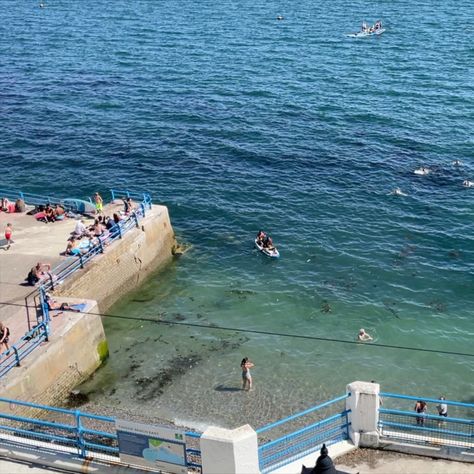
column 99, row 203
column 8, row 235
column 246, row 365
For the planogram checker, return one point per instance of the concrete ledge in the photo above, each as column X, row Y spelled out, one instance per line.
column 309, row 460
column 125, row 263
column 75, row 350
column 451, row 453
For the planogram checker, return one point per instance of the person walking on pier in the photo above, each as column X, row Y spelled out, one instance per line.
column 246, row 365
column 4, row 336
column 8, row 235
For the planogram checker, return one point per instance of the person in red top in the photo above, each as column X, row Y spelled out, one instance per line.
column 8, row 235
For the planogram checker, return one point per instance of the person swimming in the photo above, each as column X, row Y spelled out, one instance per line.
column 363, row 336
column 423, row 170
column 397, row 192
column 468, row 184
column 457, row 163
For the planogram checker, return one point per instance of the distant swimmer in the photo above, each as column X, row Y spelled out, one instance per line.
column 279, row 18
column 363, row 336
column 397, row 192
column 42, row 5
column 468, row 184
column 457, row 163
column 422, row 171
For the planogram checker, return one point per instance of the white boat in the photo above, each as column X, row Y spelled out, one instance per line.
column 363, row 34
column 273, row 253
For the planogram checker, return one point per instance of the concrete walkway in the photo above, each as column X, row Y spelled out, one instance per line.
column 33, row 242
column 371, row 461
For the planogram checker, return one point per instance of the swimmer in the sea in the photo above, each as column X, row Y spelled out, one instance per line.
column 422, row 170
column 457, row 163
column 468, row 184
column 397, row 192
column 363, row 336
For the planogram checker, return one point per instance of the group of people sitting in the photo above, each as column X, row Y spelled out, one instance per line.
column 49, row 213
column 370, row 29
column 7, row 206
column 264, row 240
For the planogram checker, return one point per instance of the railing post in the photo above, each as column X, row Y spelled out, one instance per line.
column 142, row 206
column 136, row 219
column 80, row 439
column 112, row 192
column 17, row 357
column 51, row 280
column 119, row 230
column 363, row 404
column 80, row 260
column 100, row 245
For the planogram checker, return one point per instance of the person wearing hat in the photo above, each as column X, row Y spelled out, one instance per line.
column 324, row 465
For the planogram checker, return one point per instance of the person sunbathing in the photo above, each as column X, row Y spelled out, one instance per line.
column 54, row 305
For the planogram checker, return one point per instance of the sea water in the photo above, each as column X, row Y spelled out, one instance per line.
column 239, row 122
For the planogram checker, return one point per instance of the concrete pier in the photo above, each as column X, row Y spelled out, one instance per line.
column 77, row 344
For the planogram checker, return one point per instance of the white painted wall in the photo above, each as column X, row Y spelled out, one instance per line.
column 229, row 451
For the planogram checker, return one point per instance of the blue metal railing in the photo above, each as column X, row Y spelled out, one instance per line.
column 72, row 431
column 424, row 428
column 40, row 200
column 39, row 333
column 300, row 442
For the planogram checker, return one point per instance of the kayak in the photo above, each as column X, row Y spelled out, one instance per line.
column 363, row 34
column 273, row 253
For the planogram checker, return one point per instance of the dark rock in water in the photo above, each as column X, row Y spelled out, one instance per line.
column 76, row 398
column 153, row 386
column 179, row 317
column 325, row 307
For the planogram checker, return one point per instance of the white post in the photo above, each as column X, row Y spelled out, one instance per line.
column 364, row 404
column 229, row 451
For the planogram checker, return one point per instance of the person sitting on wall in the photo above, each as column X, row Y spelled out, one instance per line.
column 59, row 212
column 80, row 230
column 54, row 305
column 20, row 205
column 37, row 273
column 74, row 247
column 49, row 214
column 127, row 205
column 4, row 204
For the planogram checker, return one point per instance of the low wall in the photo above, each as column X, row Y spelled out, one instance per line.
column 76, row 348
column 126, row 263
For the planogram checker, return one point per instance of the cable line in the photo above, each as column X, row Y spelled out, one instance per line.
column 268, row 333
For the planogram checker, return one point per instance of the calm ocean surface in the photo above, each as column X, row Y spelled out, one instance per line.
column 237, row 122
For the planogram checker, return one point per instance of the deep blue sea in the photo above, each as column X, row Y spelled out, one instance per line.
column 236, row 122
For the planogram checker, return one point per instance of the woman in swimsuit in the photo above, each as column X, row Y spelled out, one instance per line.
column 246, row 365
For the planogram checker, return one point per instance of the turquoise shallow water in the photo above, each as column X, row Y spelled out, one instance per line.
column 238, row 122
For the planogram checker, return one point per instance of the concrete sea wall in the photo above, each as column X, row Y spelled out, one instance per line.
column 126, row 263
column 77, row 345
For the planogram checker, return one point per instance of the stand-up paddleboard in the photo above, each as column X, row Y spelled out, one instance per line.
column 78, row 205
column 273, row 253
column 363, row 34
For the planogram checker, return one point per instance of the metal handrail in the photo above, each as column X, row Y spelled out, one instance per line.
column 426, row 416
column 302, row 413
column 431, row 400
column 307, row 428
column 12, row 357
